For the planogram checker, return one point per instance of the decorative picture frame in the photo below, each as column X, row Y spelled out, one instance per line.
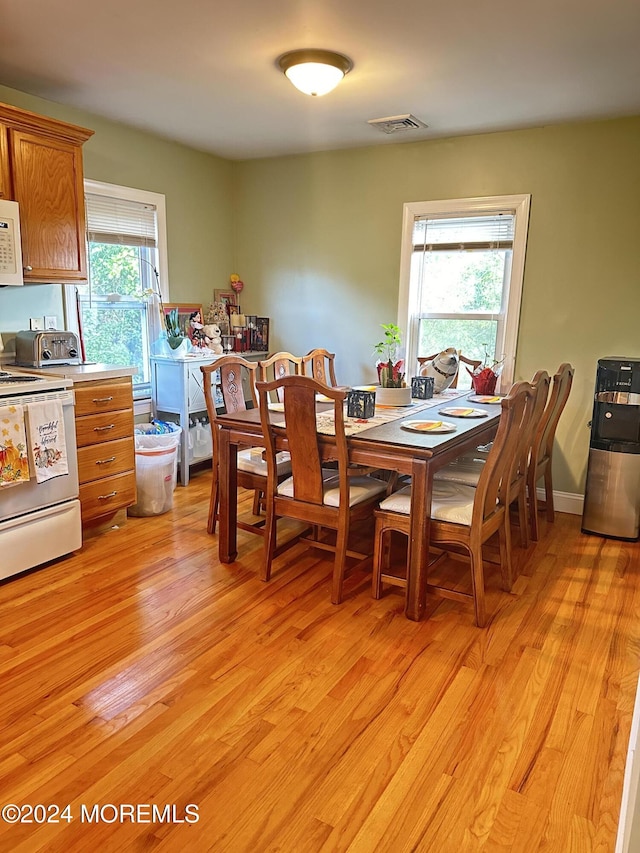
column 219, row 315
column 259, row 340
column 185, row 310
column 228, row 297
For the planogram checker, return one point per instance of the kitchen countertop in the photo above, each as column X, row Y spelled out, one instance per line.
column 82, row 372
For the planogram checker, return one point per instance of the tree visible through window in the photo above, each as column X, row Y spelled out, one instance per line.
column 119, row 311
column 114, row 317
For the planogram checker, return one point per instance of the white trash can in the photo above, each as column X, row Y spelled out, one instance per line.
column 156, row 469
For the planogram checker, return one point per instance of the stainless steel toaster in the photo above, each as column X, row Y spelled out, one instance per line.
column 42, row 349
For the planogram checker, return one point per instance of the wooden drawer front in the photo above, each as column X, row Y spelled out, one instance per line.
column 109, row 426
column 105, row 459
column 108, row 396
column 107, row 495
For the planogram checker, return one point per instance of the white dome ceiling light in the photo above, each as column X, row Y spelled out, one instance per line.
column 314, row 72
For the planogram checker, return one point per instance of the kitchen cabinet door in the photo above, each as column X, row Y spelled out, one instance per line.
column 48, row 185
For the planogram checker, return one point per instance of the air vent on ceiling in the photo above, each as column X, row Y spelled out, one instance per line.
column 393, row 124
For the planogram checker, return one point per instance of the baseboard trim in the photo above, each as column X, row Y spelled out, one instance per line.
column 565, row 501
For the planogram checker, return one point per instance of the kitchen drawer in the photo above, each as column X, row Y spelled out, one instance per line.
column 101, row 497
column 105, row 459
column 107, row 426
column 105, row 396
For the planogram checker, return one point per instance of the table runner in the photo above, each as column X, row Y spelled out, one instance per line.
column 384, row 414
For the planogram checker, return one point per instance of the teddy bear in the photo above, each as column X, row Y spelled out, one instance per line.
column 214, row 337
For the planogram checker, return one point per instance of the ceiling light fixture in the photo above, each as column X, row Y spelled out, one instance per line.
column 314, row 72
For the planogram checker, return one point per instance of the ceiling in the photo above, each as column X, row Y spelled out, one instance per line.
column 205, row 73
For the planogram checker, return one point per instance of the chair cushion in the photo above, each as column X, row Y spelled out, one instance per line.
column 465, row 469
column 449, row 502
column 399, row 501
column 251, row 461
column 360, row 488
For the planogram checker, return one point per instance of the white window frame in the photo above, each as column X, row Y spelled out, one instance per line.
column 144, row 197
column 407, row 297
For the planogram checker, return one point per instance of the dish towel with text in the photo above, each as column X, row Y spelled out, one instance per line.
column 14, row 461
column 47, row 446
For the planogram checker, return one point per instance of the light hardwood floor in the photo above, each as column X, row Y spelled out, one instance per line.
column 143, row 671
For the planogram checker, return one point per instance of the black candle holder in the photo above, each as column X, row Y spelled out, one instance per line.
column 361, row 404
column 422, row 387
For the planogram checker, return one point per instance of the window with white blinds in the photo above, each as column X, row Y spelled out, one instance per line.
column 464, row 233
column 461, row 278
column 121, row 221
column 118, row 312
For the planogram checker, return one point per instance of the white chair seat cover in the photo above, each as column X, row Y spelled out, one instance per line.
column 449, row 502
column 360, row 488
column 465, row 469
column 251, row 461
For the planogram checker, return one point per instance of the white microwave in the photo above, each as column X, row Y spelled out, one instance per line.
column 10, row 247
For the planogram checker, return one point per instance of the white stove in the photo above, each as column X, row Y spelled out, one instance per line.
column 39, row 521
column 14, row 383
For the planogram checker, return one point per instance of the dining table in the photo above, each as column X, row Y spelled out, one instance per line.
column 390, row 442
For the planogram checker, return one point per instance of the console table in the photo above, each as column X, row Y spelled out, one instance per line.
column 177, row 389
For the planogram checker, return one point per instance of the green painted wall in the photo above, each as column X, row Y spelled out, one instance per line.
column 316, row 239
column 198, row 193
column 317, row 243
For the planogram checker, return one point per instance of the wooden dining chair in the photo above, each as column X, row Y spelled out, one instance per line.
column 542, row 449
column 466, row 469
column 463, row 517
column 462, row 359
column 323, row 498
column 278, row 365
column 319, row 364
column 237, row 383
column 517, row 489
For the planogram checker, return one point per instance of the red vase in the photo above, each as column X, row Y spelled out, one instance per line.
column 484, row 382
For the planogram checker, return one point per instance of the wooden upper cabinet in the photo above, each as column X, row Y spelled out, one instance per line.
column 5, row 178
column 48, row 186
column 45, row 177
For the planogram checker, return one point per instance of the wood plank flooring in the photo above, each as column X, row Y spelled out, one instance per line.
column 142, row 671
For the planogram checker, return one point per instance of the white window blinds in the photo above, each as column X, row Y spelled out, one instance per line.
column 494, row 231
column 120, row 221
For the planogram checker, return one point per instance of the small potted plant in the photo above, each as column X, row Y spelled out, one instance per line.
column 485, row 376
column 393, row 390
column 175, row 335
